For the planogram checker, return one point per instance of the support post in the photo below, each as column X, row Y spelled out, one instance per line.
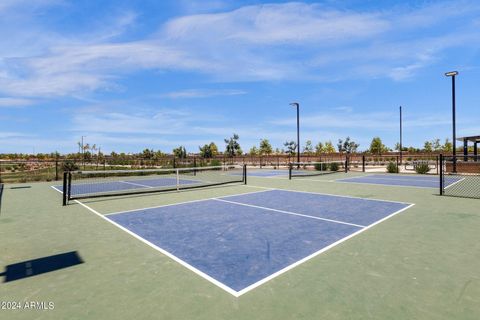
column 441, row 174
column 64, row 189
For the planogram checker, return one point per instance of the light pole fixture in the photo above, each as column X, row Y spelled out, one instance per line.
column 454, row 140
column 297, row 105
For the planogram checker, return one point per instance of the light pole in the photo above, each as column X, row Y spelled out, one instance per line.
column 83, row 153
column 400, row 135
column 295, row 104
column 454, row 140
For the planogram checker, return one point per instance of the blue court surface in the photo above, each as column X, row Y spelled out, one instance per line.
column 267, row 173
column 119, row 185
column 239, row 242
column 402, row 180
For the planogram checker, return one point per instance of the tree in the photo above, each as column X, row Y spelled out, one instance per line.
column 208, row 150
column 291, row 147
column 232, row 147
column 319, row 148
column 253, row 151
column 308, row 148
column 447, row 146
column 437, row 147
column 377, row 147
column 265, row 147
column 180, row 152
column 158, row 154
column 348, row 146
column 147, row 154
column 329, row 148
column 428, row 147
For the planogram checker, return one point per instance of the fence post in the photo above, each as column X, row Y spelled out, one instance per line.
column 363, row 163
column 398, row 164
column 441, row 174
column 244, row 174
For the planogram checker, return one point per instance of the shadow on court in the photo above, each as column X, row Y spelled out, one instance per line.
column 30, row 268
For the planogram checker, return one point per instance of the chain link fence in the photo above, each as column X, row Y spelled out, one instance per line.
column 460, row 176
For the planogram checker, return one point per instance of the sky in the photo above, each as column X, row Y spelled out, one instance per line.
column 130, row 75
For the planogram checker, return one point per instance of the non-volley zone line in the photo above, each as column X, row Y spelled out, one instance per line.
column 242, row 241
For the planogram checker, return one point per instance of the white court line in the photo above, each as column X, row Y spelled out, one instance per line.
column 289, row 212
column 135, row 184
column 313, row 255
column 168, row 254
column 333, row 195
column 254, row 285
column 454, row 183
column 304, row 179
column 183, row 202
column 53, row 187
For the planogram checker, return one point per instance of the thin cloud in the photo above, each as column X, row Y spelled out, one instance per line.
column 15, row 102
column 202, row 93
column 288, row 41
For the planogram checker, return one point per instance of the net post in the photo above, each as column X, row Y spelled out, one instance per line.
column 290, row 166
column 178, row 179
column 398, row 164
column 363, row 163
column 64, row 194
column 194, row 166
column 346, row 163
column 244, row 174
column 69, row 185
column 441, row 174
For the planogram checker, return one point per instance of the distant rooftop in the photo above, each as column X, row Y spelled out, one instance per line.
column 471, row 138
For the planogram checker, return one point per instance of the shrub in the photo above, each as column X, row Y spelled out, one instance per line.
column 334, row 166
column 422, row 168
column 69, row 166
column 392, row 167
column 215, row 163
column 321, row 166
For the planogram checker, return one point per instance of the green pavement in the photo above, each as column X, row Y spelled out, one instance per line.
column 423, row 263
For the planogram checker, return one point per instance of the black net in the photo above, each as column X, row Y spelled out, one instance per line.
column 308, row 169
column 89, row 184
column 460, row 176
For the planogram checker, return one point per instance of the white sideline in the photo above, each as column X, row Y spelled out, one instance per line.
column 264, row 280
column 168, row 254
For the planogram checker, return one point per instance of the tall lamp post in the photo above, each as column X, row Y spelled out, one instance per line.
column 454, row 140
column 400, row 134
column 83, row 153
column 295, row 104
